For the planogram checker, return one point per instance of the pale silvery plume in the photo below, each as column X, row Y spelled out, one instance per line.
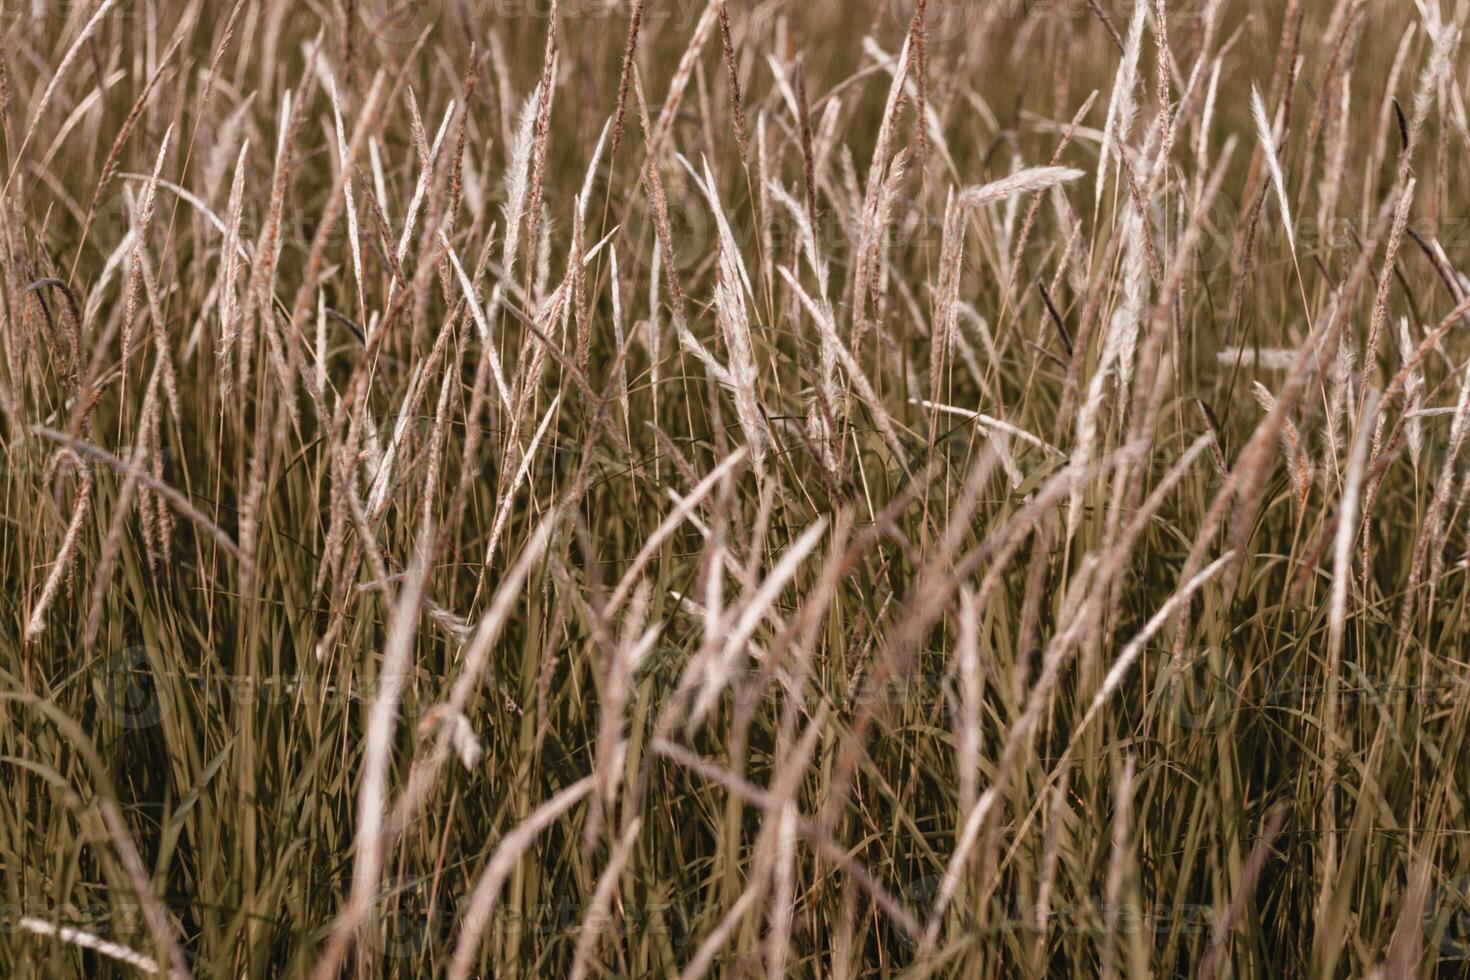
column 229, row 301
column 1298, row 462
column 353, row 239
column 1265, row 358
column 1122, row 106
column 427, row 157
column 87, row 940
column 517, row 183
column 827, row 389
column 1273, row 163
column 732, row 286
column 1413, row 394
column 1340, row 403
column 1021, row 182
column 873, row 224
column 1118, row 349
column 482, row 323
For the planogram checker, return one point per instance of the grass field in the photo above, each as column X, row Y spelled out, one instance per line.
column 823, row 488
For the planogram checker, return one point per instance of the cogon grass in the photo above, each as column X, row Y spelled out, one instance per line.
column 705, row 558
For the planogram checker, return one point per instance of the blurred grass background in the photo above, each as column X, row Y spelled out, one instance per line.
column 233, row 751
